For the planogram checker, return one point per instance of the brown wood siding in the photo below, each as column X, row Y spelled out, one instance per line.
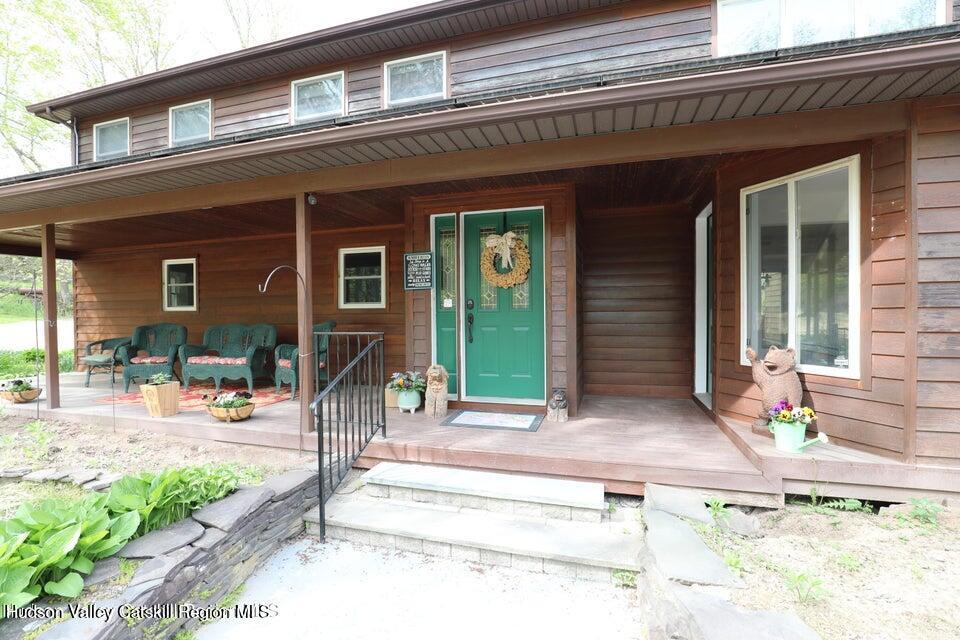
column 117, row 291
column 638, row 34
column 868, row 413
column 937, row 171
column 638, row 302
column 604, row 42
column 559, row 203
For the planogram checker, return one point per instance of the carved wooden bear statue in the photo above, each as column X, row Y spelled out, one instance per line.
column 776, row 375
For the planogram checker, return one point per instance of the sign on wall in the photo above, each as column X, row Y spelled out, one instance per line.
column 417, row 271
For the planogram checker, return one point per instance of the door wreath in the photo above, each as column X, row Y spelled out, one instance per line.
column 514, row 255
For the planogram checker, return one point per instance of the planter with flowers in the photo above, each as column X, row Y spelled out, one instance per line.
column 18, row 391
column 161, row 395
column 788, row 424
column 408, row 387
column 231, row 407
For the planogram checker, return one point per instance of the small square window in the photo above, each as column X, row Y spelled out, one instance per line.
column 111, row 139
column 190, row 123
column 362, row 278
column 319, row 97
column 416, row 79
column 180, row 285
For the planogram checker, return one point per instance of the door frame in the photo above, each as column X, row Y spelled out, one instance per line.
column 461, row 291
column 702, row 307
column 434, row 292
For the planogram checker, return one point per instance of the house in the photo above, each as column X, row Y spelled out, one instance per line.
column 691, row 177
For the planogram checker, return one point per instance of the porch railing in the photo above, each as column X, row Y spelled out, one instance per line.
column 350, row 410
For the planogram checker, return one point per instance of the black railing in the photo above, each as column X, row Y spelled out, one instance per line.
column 350, row 410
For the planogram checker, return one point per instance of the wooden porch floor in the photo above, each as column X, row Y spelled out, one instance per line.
column 622, row 442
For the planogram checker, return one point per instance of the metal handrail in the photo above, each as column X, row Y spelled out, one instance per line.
column 349, row 412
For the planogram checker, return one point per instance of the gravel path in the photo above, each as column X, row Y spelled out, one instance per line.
column 16, row 336
column 342, row 590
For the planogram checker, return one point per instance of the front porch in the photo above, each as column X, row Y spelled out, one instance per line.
column 622, row 442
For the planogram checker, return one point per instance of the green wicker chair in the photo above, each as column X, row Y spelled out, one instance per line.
column 160, row 342
column 288, row 355
column 103, row 355
column 229, row 352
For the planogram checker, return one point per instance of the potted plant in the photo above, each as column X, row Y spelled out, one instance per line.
column 18, row 391
column 788, row 424
column 228, row 407
column 161, row 395
column 408, row 387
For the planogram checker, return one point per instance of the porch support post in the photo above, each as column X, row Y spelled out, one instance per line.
column 305, row 311
column 48, row 258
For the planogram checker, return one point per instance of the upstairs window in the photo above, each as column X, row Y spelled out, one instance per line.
column 191, row 123
column 800, row 267
column 748, row 26
column 416, row 79
column 319, row 97
column 111, row 139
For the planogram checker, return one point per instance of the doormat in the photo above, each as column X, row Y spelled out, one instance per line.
column 493, row 420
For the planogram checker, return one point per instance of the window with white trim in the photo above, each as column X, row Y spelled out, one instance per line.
column 191, row 123
column 180, row 285
column 362, row 278
column 415, row 79
column 747, row 26
column 800, row 267
column 111, row 139
column 317, row 97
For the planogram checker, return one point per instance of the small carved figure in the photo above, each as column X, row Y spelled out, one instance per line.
column 776, row 375
column 435, row 398
column 557, row 406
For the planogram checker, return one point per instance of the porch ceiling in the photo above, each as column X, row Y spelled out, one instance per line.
column 664, row 100
column 635, row 184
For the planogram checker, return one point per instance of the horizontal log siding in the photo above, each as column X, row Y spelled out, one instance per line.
column 638, row 302
column 587, row 45
column 606, row 41
column 119, row 290
column 868, row 414
column 938, row 273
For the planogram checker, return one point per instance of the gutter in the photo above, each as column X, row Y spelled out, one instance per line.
column 902, row 59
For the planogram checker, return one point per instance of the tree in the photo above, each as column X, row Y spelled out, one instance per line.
column 254, row 21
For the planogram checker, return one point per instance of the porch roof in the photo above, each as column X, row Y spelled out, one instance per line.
column 799, row 80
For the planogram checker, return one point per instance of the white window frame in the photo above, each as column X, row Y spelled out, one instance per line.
column 196, row 287
column 388, row 102
column 294, row 84
column 96, row 150
column 785, row 39
column 852, row 163
column 171, row 141
column 701, row 305
column 341, row 289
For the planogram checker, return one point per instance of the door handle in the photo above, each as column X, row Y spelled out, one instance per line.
column 470, row 327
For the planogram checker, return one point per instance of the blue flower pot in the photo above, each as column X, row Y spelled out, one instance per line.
column 408, row 400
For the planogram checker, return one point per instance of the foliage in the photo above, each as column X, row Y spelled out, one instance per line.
column 625, row 579
column 159, row 378
column 805, row 587
column 15, row 364
column 849, row 562
column 17, row 386
column 718, row 510
column 39, row 440
column 848, row 504
column 231, row 598
column 407, row 381
column 734, row 561
column 786, row 413
column 924, row 511
column 171, row 495
column 231, row 400
column 49, row 545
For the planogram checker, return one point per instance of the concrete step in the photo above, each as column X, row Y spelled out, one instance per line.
column 499, row 492
column 590, row 551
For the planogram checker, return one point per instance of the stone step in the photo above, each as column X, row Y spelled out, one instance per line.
column 499, row 492
column 719, row 619
column 575, row 549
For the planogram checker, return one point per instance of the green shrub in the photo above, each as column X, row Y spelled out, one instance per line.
column 15, row 364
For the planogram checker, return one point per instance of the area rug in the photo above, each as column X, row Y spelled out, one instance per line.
column 200, row 394
column 493, row 420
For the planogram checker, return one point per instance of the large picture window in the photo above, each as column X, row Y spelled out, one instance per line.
column 800, row 267
column 180, row 285
column 319, row 97
column 362, row 278
column 415, row 79
column 747, row 26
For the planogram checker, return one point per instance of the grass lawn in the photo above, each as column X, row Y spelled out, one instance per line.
column 15, row 309
column 15, row 364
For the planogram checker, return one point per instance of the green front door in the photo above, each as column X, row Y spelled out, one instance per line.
column 503, row 329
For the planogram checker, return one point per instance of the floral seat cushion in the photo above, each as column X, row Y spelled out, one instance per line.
column 288, row 364
column 216, row 360
column 149, row 360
